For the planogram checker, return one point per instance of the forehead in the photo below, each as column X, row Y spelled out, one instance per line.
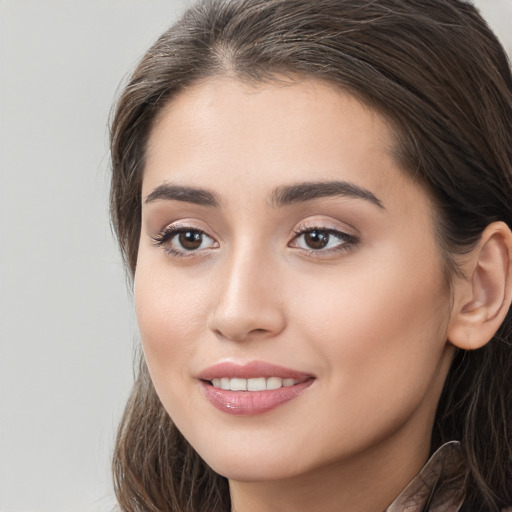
column 227, row 134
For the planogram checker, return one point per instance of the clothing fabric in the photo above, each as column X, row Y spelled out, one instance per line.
column 438, row 486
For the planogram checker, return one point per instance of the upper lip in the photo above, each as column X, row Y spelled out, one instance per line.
column 251, row 370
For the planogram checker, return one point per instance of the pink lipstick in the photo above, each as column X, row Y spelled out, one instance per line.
column 253, row 388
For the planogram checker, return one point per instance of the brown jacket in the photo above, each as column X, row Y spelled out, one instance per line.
column 438, row 486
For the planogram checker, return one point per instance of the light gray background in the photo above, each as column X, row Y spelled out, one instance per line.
column 67, row 332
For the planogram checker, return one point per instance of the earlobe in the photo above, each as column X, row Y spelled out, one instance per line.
column 483, row 298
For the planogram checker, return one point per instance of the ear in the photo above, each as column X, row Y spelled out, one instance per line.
column 483, row 297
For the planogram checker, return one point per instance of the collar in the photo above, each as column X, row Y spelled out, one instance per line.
column 438, row 486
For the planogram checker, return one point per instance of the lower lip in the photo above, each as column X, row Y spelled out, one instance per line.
column 249, row 403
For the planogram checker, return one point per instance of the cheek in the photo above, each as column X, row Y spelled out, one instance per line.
column 170, row 319
column 382, row 330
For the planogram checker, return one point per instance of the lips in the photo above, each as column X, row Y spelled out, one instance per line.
column 253, row 388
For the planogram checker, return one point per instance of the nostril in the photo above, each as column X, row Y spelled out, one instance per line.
column 241, row 335
column 258, row 331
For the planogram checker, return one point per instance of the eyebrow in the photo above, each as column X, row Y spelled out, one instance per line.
column 302, row 192
column 282, row 196
column 193, row 195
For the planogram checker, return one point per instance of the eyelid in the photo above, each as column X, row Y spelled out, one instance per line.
column 164, row 236
column 325, row 225
column 183, row 225
column 348, row 239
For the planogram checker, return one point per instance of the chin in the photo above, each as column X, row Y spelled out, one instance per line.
column 255, row 470
column 269, row 460
column 257, row 463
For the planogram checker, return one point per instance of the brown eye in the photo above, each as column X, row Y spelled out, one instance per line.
column 184, row 241
column 316, row 239
column 323, row 241
column 190, row 240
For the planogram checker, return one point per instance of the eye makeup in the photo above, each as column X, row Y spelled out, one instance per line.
column 322, row 241
column 181, row 240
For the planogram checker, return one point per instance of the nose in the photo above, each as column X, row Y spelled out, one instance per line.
column 249, row 303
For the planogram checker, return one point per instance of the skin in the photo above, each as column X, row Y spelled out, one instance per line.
column 367, row 317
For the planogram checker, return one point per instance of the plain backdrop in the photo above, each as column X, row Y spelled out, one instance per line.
column 67, row 331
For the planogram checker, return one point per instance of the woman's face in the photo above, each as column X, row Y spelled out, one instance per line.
column 283, row 250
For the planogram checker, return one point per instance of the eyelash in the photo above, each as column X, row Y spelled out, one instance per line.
column 347, row 241
column 163, row 239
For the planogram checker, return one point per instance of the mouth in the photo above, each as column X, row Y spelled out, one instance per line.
column 253, row 388
column 254, row 384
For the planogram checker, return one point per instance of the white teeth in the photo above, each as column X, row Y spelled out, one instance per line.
column 274, row 383
column 238, row 384
column 255, row 384
column 259, row 384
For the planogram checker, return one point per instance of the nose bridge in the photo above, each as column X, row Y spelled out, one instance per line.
column 248, row 304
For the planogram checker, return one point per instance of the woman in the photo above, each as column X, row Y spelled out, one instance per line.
column 313, row 199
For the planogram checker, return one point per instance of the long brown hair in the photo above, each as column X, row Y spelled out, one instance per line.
column 436, row 71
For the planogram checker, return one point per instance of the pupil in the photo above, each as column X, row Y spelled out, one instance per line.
column 190, row 240
column 317, row 239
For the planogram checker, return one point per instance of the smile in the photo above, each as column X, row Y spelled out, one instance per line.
column 254, row 384
column 253, row 388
